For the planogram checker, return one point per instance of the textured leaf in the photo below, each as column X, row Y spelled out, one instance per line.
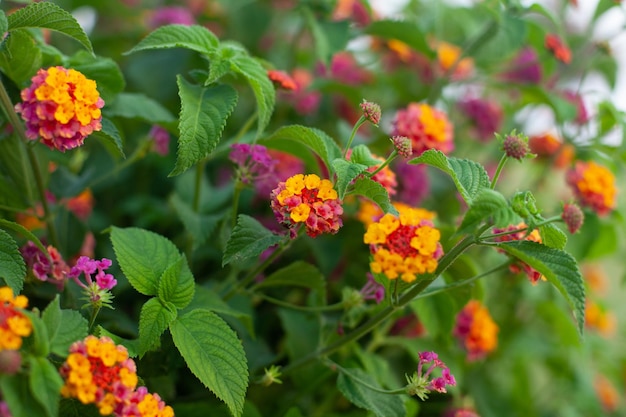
column 4, row 24
column 406, row 32
column 50, row 16
column 197, row 38
column 176, row 285
column 134, row 105
column 199, row 226
column 469, row 177
column 488, row 205
column 45, row 384
column 220, row 60
column 203, row 115
column 559, row 267
column 143, row 257
column 110, row 138
column 346, row 173
column 316, row 140
column 263, row 89
column 207, row 299
column 361, row 154
column 375, row 192
column 154, row 319
column 64, row 327
column 38, row 342
column 249, row 239
column 552, row 236
column 300, row 274
column 214, row 354
column 382, row 405
column 20, row 58
column 12, row 267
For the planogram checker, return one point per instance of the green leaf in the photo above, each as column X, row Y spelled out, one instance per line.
column 249, row 239
column 12, row 267
column 219, row 63
column 199, row 226
column 110, row 138
column 16, row 393
column 361, row 154
column 135, row 105
column 49, row 16
column 154, row 319
column 552, row 236
column 4, row 24
column 346, row 173
column 403, row 31
column 7, row 224
column 559, row 267
column 329, row 37
column 263, row 89
column 45, row 385
column 38, row 342
column 104, row 71
column 203, row 115
column 72, row 407
column 316, row 140
column 214, row 354
column 469, row 177
column 375, row 192
column 20, row 58
column 207, row 299
column 64, row 327
column 300, row 274
column 176, row 285
column 488, row 205
column 382, row 405
column 196, row 38
column 437, row 313
column 563, row 109
column 143, row 257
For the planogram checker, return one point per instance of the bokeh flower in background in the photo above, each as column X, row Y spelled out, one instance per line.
column 426, row 126
column 555, row 45
column 593, row 185
column 160, row 140
column 14, row 325
column 476, row 330
column 53, row 270
column 519, row 232
column 525, row 68
column 485, row 116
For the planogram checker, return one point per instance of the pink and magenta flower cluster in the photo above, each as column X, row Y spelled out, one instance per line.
column 422, row 383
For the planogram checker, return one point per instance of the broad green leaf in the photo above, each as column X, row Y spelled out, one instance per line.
column 199, row 226
column 104, row 71
column 300, row 274
column 154, row 319
column 72, row 407
column 4, row 24
column 196, row 38
column 45, row 385
column 12, row 267
column 12, row 154
column 346, row 173
column 203, row 115
column 49, row 16
column 143, row 256
column 293, row 412
column 20, row 58
column 361, row 154
column 38, row 342
column 219, row 63
column 214, row 354
column 437, row 313
column 382, row 405
column 135, row 105
column 176, row 285
column 263, row 89
column 303, row 332
column 491, row 206
column 403, row 31
column 563, row 109
column 329, row 37
column 16, row 393
column 110, row 138
column 375, row 192
column 469, row 177
column 552, row 236
column 249, row 239
column 316, row 140
column 7, row 224
column 559, row 267
column 64, row 327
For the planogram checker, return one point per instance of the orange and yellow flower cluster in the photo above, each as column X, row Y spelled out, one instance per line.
column 476, row 330
column 599, row 319
column 427, row 127
column 594, row 186
column 97, row 371
column 519, row 232
column 404, row 246
column 14, row 325
column 308, row 200
column 62, row 107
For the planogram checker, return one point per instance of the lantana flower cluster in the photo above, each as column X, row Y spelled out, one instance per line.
column 519, row 232
column 53, row 270
column 62, row 107
column 97, row 371
column 476, row 330
column 403, row 246
column 426, row 126
column 97, row 289
column 308, row 200
column 14, row 325
column 593, row 185
column 420, row 383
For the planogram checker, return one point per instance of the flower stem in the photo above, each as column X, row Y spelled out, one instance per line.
column 236, row 194
column 246, row 126
column 498, row 171
column 509, row 232
column 331, row 307
column 95, row 309
column 391, row 157
column 335, row 366
column 356, row 127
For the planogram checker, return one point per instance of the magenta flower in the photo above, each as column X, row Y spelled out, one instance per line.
column 161, row 140
column 96, row 289
column 170, row 16
column 413, row 183
column 422, row 383
column 372, row 290
column 54, row 270
column 485, row 115
column 524, row 68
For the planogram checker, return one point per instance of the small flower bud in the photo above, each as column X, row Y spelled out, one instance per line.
column 403, row 146
column 573, row 217
column 271, row 376
column 516, row 146
column 10, row 362
column 371, row 111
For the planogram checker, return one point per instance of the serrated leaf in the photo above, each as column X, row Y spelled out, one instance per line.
column 316, row 140
column 299, row 274
column 404, row 31
column 375, row 192
column 45, row 385
column 361, row 154
column 552, row 236
column 176, row 285
column 135, row 105
column 4, row 24
column 219, row 61
column 12, row 267
column 199, row 226
column 20, row 58
column 263, row 88
column 49, row 16
column 469, row 177
column 249, row 239
column 207, row 299
column 196, row 38
column 382, row 405
column 143, row 256
column 39, row 342
column 203, row 115
column 488, row 205
column 214, row 354
column 154, row 319
column 346, row 173
column 559, row 267
column 110, row 138
column 64, row 327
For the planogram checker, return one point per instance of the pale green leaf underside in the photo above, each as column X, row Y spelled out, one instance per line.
column 248, row 239
column 375, row 192
column 196, row 38
column 382, row 405
column 177, row 285
column 346, row 173
column 12, row 267
column 552, row 236
column 489, row 205
column 154, row 319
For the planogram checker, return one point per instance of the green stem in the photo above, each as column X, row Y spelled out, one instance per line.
column 333, row 365
column 94, row 313
column 523, row 229
column 139, row 153
column 236, row 194
column 246, row 126
column 331, row 307
column 356, row 127
column 498, row 171
column 391, row 157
